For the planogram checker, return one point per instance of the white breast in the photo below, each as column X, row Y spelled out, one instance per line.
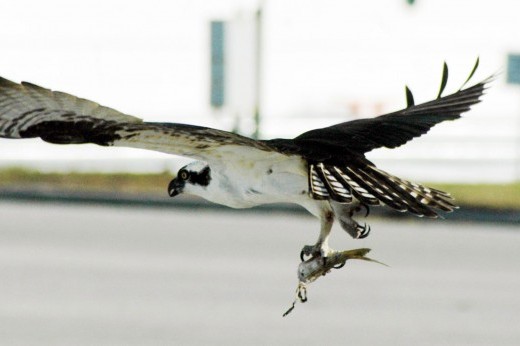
column 247, row 183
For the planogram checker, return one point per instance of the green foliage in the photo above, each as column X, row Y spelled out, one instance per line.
column 482, row 195
column 113, row 182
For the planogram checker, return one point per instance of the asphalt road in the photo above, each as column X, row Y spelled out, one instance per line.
column 84, row 275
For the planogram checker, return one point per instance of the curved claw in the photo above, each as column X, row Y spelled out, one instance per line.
column 366, row 208
column 309, row 251
column 339, row 266
column 358, row 209
column 364, row 231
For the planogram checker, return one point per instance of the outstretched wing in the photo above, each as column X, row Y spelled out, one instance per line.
column 28, row 111
column 394, row 129
column 339, row 171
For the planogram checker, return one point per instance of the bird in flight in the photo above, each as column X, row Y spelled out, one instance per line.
column 323, row 170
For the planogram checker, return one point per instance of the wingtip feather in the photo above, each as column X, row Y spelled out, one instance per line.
column 444, row 79
column 409, row 97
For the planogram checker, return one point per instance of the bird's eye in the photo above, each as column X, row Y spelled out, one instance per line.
column 184, row 175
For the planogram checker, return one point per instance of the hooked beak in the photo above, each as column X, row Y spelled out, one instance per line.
column 175, row 187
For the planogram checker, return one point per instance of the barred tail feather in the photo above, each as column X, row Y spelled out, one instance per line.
column 419, row 199
column 372, row 186
column 378, row 193
column 429, row 196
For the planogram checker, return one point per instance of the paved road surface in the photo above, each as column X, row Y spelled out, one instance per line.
column 77, row 275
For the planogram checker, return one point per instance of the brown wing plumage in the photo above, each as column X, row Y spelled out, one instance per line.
column 28, row 111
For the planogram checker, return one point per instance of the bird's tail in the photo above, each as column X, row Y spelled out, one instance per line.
column 373, row 186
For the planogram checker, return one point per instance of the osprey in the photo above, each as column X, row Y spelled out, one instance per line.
column 324, row 170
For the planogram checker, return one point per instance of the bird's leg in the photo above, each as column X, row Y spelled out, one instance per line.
column 350, row 225
column 353, row 228
column 321, row 248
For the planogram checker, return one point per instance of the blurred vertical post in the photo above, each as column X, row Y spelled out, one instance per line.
column 236, row 69
column 218, row 71
column 258, row 71
column 513, row 77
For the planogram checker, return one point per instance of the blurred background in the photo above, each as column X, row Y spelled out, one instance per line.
column 124, row 265
column 297, row 65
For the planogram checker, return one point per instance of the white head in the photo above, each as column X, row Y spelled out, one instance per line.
column 193, row 179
